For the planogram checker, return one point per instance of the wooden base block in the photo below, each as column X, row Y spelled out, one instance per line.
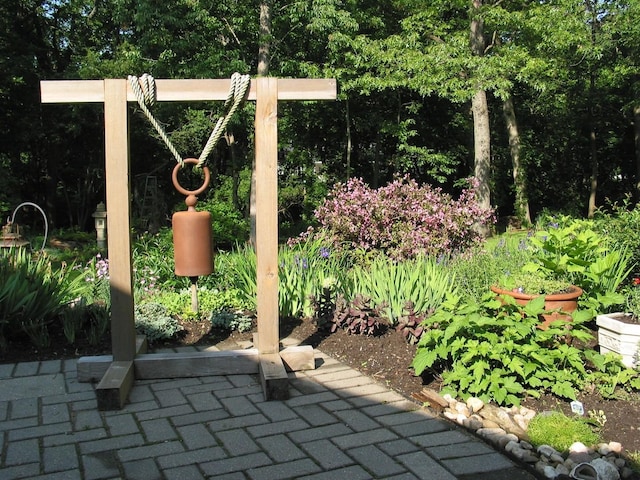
column 113, row 389
column 275, row 382
column 196, row 364
column 92, row 369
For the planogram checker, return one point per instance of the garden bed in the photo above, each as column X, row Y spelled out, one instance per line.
column 385, row 358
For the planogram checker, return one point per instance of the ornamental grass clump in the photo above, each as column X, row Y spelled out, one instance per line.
column 403, row 219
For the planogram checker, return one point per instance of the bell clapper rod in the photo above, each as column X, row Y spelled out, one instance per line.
column 194, row 293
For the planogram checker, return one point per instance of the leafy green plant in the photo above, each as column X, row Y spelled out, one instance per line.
column 494, row 349
column 483, row 266
column 390, row 284
column 153, row 320
column 559, row 431
column 98, row 321
column 32, row 294
column 231, row 321
column 73, row 318
column 303, row 268
column 578, row 254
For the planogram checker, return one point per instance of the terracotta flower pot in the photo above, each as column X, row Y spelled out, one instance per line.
column 566, row 303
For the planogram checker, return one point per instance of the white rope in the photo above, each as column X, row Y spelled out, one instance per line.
column 144, row 89
column 235, row 98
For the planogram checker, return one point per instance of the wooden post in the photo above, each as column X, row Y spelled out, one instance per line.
column 118, row 369
column 266, row 151
column 119, row 219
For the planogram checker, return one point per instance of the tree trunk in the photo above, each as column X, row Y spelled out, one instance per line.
column 235, row 174
column 264, row 42
column 594, row 173
column 264, row 50
column 521, row 206
column 349, row 140
column 636, row 116
column 480, row 109
column 482, row 147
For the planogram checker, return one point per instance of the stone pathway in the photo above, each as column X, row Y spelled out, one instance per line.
column 337, row 424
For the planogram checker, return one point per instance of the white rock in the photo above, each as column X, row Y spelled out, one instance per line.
column 605, row 470
column 604, row 449
column 521, row 421
column 472, row 423
column 615, row 447
column 490, row 431
column 578, row 447
column 527, row 413
column 462, row 408
column 452, row 401
column 450, row 415
column 474, row 404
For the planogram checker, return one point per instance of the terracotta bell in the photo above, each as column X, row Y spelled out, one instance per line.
column 192, row 232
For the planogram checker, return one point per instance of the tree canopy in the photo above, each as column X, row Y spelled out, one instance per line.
column 559, row 80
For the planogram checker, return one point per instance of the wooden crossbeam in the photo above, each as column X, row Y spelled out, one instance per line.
column 115, row 94
column 93, row 91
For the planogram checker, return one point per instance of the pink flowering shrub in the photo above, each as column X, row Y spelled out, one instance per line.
column 403, row 219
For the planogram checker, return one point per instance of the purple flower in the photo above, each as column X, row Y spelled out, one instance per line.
column 325, row 252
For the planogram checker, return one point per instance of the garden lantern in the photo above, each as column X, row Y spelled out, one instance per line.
column 100, row 219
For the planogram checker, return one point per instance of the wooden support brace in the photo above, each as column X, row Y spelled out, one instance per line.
column 113, row 389
column 92, row 369
column 275, row 382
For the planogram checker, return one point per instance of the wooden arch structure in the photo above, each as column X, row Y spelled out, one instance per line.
column 129, row 360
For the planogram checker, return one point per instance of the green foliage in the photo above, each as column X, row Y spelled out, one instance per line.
column 494, row 349
column 32, row 294
column 618, row 226
column 228, row 223
column 231, row 321
column 391, row 284
column 153, row 257
column 483, row 266
column 152, row 319
column 303, row 269
column 98, row 320
column 178, row 303
column 559, row 431
column 575, row 252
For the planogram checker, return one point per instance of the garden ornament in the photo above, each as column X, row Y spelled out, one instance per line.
column 584, row 471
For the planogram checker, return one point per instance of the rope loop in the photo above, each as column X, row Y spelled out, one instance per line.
column 144, row 89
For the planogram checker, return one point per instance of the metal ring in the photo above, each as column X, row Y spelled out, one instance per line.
column 184, row 191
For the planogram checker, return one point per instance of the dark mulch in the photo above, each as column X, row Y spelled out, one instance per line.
column 386, row 358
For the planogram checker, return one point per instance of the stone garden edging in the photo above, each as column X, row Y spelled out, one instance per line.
column 505, row 429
